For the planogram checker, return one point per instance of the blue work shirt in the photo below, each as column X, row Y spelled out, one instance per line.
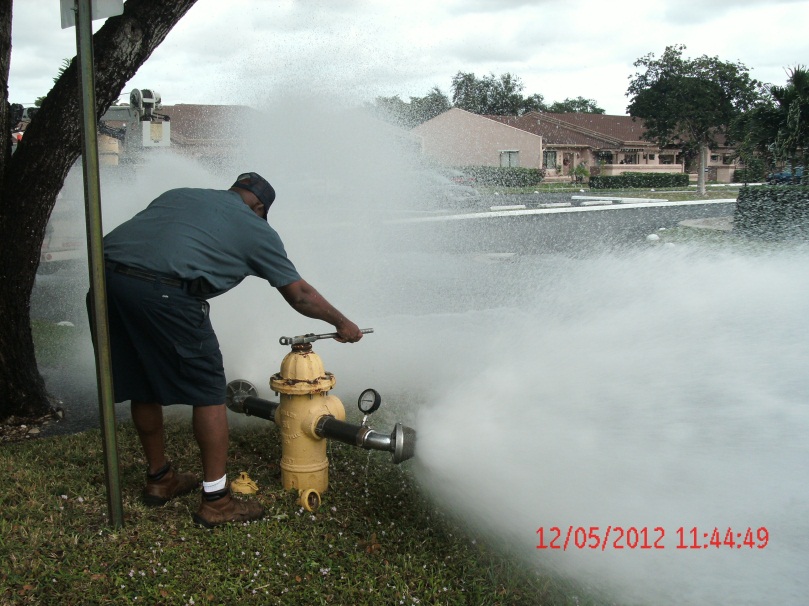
column 192, row 233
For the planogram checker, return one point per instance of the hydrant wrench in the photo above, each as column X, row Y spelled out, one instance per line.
column 311, row 338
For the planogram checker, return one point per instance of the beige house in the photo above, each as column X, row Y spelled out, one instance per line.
column 606, row 145
column 207, row 132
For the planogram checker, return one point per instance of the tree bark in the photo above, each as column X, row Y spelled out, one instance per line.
column 31, row 179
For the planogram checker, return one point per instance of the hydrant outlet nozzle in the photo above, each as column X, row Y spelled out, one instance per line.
column 401, row 442
column 242, row 397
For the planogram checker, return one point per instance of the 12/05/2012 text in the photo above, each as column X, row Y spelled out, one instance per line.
column 645, row 537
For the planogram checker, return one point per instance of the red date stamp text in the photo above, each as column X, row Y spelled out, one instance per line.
column 603, row 538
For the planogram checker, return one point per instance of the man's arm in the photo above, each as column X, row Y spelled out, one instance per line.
column 304, row 299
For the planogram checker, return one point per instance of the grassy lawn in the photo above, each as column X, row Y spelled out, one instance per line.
column 375, row 540
column 52, row 341
column 721, row 241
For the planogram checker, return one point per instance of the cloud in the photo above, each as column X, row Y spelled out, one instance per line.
column 242, row 50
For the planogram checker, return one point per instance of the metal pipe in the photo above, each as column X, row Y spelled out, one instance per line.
column 95, row 251
column 256, row 407
column 401, row 442
column 252, row 406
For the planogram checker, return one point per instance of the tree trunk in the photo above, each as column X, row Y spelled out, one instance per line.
column 32, row 178
column 703, row 164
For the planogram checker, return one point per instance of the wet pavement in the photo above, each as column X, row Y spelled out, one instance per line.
column 714, row 223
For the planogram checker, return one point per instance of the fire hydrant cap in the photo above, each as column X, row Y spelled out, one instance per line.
column 244, row 485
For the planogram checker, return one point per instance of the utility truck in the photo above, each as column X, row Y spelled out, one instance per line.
column 125, row 134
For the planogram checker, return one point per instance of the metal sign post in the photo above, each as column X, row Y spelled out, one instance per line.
column 95, row 252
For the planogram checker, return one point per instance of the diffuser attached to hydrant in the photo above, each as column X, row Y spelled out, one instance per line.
column 306, row 415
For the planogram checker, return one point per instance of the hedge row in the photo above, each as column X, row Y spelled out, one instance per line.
column 748, row 175
column 644, row 180
column 773, row 212
column 501, row 176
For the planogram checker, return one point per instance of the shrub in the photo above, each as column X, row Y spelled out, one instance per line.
column 745, row 175
column 773, row 213
column 748, row 175
column 580, row 173
column 754, row 171
column 505, row 176
column 640, row 180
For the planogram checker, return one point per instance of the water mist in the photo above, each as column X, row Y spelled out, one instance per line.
column 655, row 387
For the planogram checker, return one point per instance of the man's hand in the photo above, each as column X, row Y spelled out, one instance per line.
column 304, row 299
column 348, row 331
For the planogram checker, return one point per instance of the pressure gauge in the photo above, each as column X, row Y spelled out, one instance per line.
column 369, row 401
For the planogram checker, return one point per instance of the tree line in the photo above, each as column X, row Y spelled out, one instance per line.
column 489, row 95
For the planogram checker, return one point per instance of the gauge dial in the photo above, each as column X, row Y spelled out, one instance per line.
column 369, row 401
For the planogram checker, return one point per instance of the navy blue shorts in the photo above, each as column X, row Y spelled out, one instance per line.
column 162, row 344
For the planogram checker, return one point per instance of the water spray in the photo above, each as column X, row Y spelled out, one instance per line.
column 307, row 415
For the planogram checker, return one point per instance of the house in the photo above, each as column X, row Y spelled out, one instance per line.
column 208, row 132
column 557, row 143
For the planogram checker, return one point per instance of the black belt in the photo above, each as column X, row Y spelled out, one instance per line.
column 142, row 274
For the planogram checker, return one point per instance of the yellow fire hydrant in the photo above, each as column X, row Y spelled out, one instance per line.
column 303, row 385
column 307, row 416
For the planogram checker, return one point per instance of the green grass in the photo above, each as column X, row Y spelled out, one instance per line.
column 704, row 237
column 375, row 540
column 52, row 341
column 722, row 241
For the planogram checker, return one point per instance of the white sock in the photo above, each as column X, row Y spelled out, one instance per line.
column 217, row 485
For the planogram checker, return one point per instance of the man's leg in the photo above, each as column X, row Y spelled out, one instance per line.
column 163, row 483
column 148, row 420
column 211, row 432
column 218, row 506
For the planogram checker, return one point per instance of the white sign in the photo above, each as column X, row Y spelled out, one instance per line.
column 101, row 9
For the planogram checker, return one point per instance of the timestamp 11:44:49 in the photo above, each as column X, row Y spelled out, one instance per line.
column 696, row 538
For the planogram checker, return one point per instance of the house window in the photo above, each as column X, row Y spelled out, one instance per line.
column 714, row 157
column 509, row 158
column 549, row 159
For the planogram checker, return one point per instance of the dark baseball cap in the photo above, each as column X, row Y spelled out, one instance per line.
column 258, row 185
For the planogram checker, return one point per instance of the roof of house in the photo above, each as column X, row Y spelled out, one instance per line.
column 622, row 128
column 206, row 124
column 193, row 125
column 599, row 131
column 591, row 130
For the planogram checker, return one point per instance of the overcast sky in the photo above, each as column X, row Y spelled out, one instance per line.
column 250, row 51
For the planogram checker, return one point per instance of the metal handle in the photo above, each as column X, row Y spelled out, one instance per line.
column 313, row 337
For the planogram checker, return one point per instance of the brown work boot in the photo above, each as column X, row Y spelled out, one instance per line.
column 167, row 484
column 222, row 508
